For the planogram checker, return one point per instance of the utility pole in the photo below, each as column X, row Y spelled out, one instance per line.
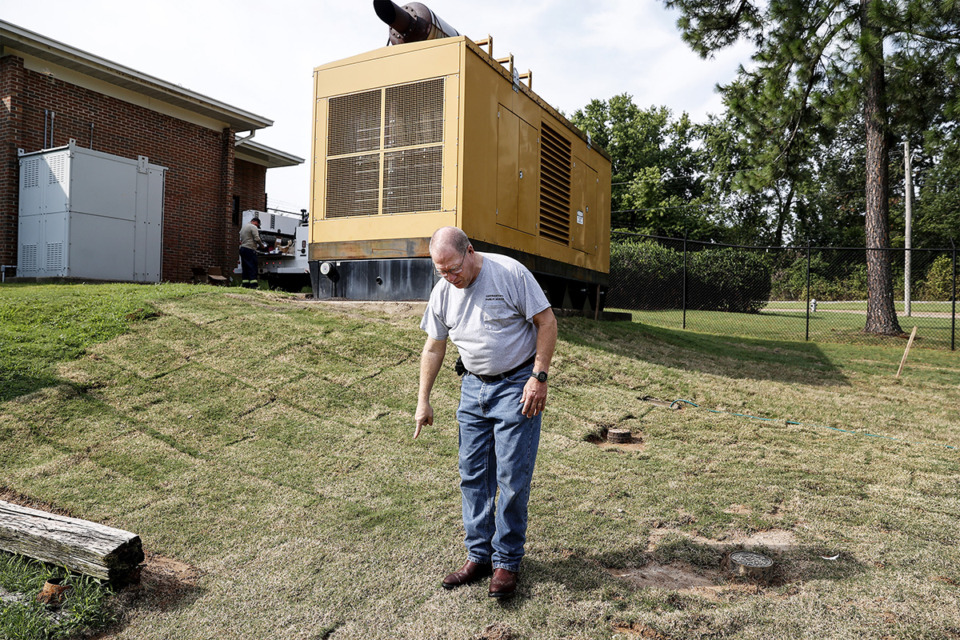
column 908, row 200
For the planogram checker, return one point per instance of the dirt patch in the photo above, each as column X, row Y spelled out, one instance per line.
column 773, row 539
column 635, row 444
column 776, row 539
column 709, row 583
column 738, row 509
column 675, row 577
column 13, row 497
column 400, row 308
column 685, row 579
column 160, row 584
column 638, row 630
column 495, row 631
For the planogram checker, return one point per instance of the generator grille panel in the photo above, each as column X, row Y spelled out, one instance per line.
column 31, row 173
column 385, row 151
column 28, row 257
column 411, row 180
column 353, row 186
column 354, row 123
column 554, row 186
column 414, row 114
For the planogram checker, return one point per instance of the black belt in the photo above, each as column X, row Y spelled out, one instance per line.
column 497, row 377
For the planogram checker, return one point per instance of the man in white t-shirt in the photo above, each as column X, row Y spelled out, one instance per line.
column 496, row 314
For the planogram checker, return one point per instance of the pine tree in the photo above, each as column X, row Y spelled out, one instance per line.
column 819, row 63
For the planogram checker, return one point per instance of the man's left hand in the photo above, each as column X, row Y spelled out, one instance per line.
column 534, row 397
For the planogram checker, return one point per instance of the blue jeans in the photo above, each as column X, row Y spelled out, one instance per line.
column 498, row 448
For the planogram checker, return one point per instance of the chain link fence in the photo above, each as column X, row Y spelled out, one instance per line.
column 779, row 293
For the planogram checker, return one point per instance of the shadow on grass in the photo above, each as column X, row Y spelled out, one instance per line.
column 792, row 565
column 161, row 585
column 14, row 386
column 722, row 355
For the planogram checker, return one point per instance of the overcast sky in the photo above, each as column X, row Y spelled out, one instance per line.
column 259, row 56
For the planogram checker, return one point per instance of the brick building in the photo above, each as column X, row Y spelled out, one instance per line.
column 51, row 93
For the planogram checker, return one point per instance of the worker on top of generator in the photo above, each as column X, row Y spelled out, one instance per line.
column 249, row 243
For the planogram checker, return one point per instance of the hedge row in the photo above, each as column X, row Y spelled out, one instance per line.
column 647, row 275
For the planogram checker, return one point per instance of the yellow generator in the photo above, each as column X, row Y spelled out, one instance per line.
column 437, row 132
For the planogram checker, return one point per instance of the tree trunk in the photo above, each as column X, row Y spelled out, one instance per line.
column 784, row 213
column 881, row 314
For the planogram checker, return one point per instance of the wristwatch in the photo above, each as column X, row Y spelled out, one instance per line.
column 542, row 376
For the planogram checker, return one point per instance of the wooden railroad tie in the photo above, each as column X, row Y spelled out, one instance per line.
column 79, row 545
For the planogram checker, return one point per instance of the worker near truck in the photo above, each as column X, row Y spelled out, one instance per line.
column 495, row 313
column 249, row 243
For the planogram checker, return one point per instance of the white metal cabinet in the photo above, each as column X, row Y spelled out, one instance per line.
column 88, row 214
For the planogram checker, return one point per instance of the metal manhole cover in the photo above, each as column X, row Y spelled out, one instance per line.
column 751, row 559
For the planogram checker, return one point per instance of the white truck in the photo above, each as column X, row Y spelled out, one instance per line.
column 283, row 264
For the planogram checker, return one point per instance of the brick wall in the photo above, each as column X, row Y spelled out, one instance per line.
column 200, row 180
column 250, row 183
column 11, row 87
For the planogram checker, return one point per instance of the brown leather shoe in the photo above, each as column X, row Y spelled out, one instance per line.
column 469, row 572
column 503, row 584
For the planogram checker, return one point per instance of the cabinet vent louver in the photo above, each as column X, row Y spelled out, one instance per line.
column 58, row 167
column 31, row 173
column 29, row 257
column 54, row 256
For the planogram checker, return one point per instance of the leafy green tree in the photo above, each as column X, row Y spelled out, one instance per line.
column 752, row 208
column 656, row 166
column 817, row 63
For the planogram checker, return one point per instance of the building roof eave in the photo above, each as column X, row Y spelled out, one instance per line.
column 64, row 55
column 257, row 153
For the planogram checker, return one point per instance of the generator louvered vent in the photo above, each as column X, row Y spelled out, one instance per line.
column 354, row 123
column 411, row 180
column 31, row 173
column 353, row 186
column 554, row 186
column 384, row 151
column 414, row 114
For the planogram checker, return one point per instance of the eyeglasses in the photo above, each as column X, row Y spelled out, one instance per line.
column 442, row 273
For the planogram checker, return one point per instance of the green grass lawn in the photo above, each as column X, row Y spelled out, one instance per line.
column 262, row 445
column 854, row 305
column 832, row 322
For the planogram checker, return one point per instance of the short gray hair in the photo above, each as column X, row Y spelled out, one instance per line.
column 450, row 236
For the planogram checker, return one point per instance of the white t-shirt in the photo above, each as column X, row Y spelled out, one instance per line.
column 490, row 321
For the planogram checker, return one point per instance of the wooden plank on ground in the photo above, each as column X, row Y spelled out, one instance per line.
column 79, row 545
